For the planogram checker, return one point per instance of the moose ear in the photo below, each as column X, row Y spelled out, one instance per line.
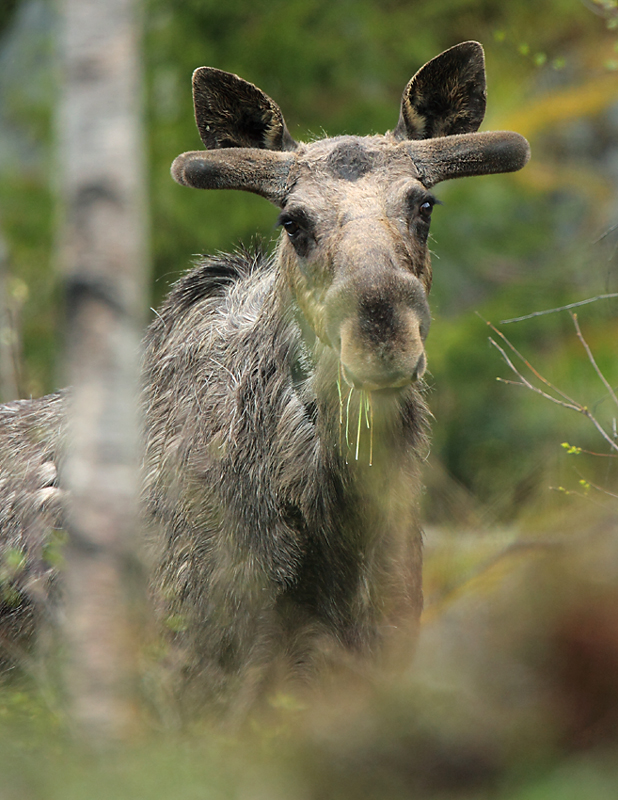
column 231, row 112
column 446, row 96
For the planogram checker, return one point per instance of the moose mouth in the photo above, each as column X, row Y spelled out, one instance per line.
column 384, row 381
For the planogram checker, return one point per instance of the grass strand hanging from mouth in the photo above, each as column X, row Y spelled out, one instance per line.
column 370, row 430
column 369, row 422
column 367, row 398
column 340, row 410
column 360, row 419
column 347, row 418
column 365, row 410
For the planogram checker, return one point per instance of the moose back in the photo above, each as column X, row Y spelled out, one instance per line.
column 283, row 415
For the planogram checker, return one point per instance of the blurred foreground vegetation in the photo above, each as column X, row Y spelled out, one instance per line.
column 513, row 696
column 515, row 693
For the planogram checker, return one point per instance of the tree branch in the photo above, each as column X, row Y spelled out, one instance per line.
column 592, row 359
column 560, row 308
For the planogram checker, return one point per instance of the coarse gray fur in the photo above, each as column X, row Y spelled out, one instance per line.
column 284, row 419
column 279, row 547
column 30, row 515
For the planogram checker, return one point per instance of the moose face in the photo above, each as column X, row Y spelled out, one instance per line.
column 355, row 252
column 355, row 210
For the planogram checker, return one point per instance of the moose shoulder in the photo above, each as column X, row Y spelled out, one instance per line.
column 284, row 420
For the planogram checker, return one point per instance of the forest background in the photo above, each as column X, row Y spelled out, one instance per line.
column 505, row 246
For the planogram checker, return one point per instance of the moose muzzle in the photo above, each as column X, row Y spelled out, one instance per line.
column 379, row 322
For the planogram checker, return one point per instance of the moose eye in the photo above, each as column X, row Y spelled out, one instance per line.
column 299, row 227
column 425, row 209
column 292, row 228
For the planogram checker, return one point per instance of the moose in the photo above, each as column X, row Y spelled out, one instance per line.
column 284, row 419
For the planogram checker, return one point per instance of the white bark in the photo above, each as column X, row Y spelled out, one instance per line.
column 103, row 256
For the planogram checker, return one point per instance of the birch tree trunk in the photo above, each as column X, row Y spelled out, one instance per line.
column 103, row 256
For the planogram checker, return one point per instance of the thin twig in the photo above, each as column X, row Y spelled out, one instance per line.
column 587, row 484
column 584, row 495
column 529, row 365
column 591, row 358
column 592, row 453
column 602, row 490
column 560, row 308
column 606, row 234
column 526, row 383
column 571, row 404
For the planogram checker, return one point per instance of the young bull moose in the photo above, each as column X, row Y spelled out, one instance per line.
column 284, row 420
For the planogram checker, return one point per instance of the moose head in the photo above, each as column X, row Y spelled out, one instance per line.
column 355, row 210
